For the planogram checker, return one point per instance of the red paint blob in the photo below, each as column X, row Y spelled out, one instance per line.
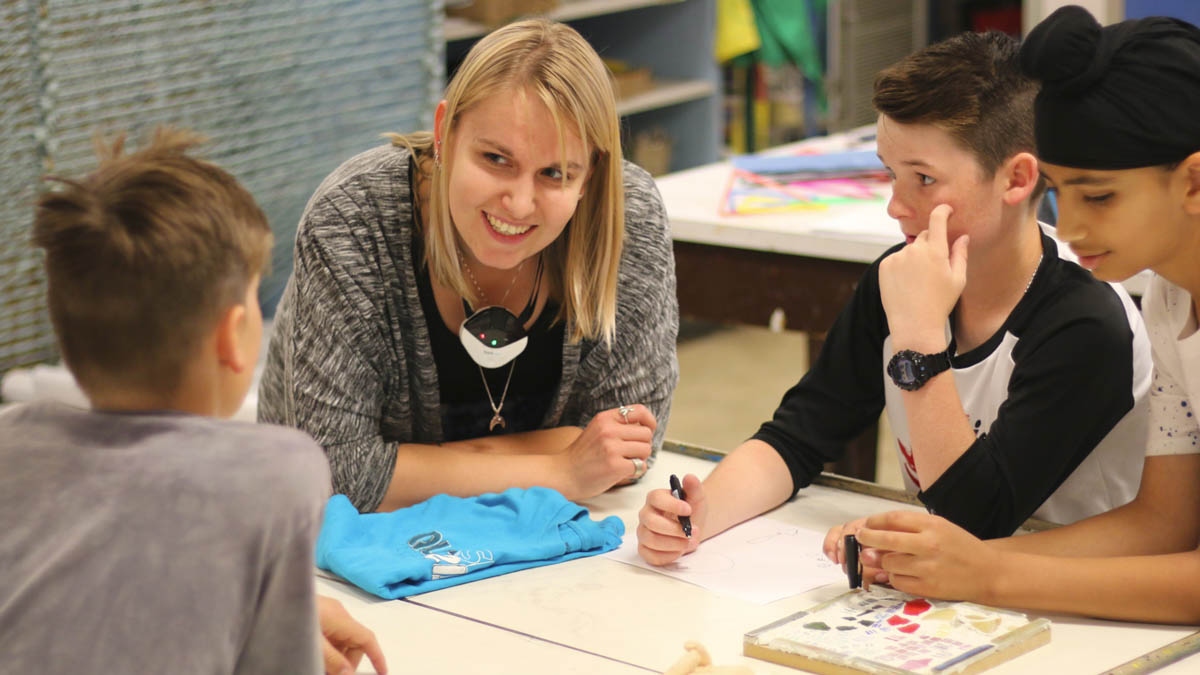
column 910, row 628
column 896, row 620
column 914, row 607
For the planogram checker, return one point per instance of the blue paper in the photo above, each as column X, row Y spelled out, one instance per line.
column 839, row 163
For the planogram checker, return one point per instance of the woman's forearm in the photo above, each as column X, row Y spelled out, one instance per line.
column 477, row 466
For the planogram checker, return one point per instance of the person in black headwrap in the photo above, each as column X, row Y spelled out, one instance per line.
column 1118, row 135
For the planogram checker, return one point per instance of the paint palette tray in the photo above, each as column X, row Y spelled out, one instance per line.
column 886, row 631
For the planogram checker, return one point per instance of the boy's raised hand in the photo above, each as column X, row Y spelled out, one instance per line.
column 660, row 536
column 929, row 556
column 920, row 284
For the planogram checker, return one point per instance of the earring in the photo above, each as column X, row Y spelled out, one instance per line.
column 437, row 153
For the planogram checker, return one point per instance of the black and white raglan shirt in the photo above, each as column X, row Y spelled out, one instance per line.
column 1058, row 399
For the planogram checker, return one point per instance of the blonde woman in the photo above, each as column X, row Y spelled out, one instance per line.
column 489, row 304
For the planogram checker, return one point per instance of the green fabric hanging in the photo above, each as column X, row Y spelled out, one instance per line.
column 786, row 31
column 788, row 37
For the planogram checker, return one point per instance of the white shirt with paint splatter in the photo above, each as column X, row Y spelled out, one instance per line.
column 1175, row 392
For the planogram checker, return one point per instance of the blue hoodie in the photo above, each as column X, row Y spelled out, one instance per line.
column 447, row 540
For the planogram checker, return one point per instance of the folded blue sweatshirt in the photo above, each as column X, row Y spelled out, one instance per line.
column 451, row 540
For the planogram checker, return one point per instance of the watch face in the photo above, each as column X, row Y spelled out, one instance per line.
column 905, row 372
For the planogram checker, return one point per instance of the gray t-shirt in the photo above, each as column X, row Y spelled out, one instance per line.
column 351, row 361
column 156, row 543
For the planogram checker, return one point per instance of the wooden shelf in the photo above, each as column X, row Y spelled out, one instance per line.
column 456, row 28
column 673, row 39
column 665, row 93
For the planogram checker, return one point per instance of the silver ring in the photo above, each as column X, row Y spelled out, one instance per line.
column 639, row 467
column 625, row 410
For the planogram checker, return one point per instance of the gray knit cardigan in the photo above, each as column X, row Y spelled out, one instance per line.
column 350, row 360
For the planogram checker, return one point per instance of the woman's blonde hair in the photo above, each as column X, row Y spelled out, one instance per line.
column 557, row 65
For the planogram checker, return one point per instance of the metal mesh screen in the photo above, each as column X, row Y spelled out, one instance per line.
column 284, row 90
column 866, row 36
column 25, row 334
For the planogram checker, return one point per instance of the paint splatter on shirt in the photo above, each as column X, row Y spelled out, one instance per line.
column 1174, row 427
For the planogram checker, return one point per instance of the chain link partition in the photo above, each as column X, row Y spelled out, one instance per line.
column 25, row 333
column 285, row 91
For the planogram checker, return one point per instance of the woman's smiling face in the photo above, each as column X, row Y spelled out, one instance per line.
column 507, row 193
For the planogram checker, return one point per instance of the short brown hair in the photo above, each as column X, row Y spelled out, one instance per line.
column 970, row 86
column 142, row 257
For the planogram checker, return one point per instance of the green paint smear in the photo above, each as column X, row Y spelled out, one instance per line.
column 816, row 625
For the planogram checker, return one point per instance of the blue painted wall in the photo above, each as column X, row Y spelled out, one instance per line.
column 1188, row 10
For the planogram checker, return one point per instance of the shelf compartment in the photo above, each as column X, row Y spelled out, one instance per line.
column 456, row 28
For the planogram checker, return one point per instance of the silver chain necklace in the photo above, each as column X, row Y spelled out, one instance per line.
column 478, row 289
column 1034, row 275
column 497, row 418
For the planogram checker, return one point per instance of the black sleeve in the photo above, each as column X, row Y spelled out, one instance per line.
column 1068, row 389
column 842, row 393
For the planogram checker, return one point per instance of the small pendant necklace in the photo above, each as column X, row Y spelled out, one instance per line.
column 497, row 419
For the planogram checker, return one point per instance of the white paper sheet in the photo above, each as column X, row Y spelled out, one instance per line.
column 761, row 561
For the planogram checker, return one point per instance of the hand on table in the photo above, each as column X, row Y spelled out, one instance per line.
column 660, row 536
column 603, row 455
column 345, row 641
column 920, row 284
column 929, row 556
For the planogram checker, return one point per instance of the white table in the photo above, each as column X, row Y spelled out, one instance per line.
column 597, row 615
column 857, row 232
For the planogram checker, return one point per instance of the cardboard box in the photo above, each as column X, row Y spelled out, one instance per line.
column 499, row 12
column 628, row 80
column 652, row 151
column 632, row 82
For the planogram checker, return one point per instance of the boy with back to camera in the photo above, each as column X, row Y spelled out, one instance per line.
column 1015, row 383
column 145, row 535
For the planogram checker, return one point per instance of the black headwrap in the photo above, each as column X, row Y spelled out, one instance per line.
column 1118, row 97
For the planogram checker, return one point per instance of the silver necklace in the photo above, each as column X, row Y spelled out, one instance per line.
column 497, row 418
column 1033, row 276
column 478, row 289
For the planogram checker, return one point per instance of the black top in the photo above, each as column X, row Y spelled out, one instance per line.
column 466, row 412
column 1041, row 394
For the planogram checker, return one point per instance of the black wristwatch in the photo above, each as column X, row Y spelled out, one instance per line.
column 911, row 370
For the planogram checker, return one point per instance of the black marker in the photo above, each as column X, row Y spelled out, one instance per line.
column 853, row 568
column 678, row 493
